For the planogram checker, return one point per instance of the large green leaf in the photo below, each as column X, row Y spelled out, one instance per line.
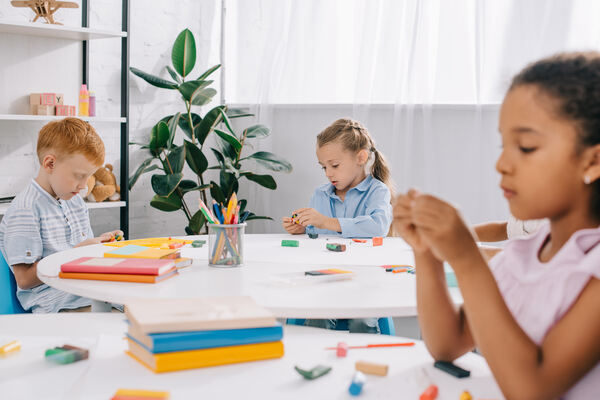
column 242, row 203
column 219, row 156
column 165, row 185
column 203, row 96
column 211, row 119
column 170, row 203
column 263, row 180
column 271, row 161
column 184, row 124
column 251, row 217
column 176, row 159
column 189, row 90
column 154, row 80
column 172, row 123
column 232, row 140
column 187, row 185
column 197, row 222
column 257, row 131
column 183, row 54
column 227, row 123
column 143, row 168
column 195, row 158
column 227, row 150
column 159, row 136
column 208, row 72
column 238, row 113
column 216, row 193
column 174, row 74
column 229, row 184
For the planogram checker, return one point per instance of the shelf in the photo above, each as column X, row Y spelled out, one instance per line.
column 25, row 117
column 104, row 204
column 57, row 31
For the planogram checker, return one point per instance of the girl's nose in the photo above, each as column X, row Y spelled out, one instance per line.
column 503, row 164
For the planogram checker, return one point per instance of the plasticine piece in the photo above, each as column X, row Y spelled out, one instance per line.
column 295, row 219
column 176, row 245
column 465, row 396
column 371, row 368
column 358, row 381
column 313, row 235
column 314, row 373
column 430, row 393
column 452, row 369
column 198, row 243
column 10, row 347
column 377, row 241
column 342, row 349
column 335, row 247
column 66, row 354
column 290, row 243
column 359, row 240
column 118, row 237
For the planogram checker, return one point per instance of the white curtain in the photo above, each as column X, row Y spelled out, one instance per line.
column 426, row 78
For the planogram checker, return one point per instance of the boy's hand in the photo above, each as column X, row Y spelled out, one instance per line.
column 292, row 228
column 441, row 227
column 310, row 216
column 403, row 222
column 111, row 236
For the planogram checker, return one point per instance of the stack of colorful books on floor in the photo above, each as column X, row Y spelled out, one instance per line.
column 176, row 334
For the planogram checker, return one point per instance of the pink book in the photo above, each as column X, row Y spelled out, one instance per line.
column 135, row 266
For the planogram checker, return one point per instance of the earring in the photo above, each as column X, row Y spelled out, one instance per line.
column 587, row 180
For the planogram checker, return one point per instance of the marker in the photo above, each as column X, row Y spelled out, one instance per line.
column 217, row 211
column 10, row 347
column 207, row 214
column 370, row 346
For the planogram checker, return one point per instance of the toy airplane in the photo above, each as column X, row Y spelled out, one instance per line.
column 45, row 8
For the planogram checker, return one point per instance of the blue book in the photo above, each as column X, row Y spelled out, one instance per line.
column 193, row 340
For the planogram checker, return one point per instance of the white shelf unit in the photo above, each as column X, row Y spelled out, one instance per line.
column 85, row 34
column 104, row 204
column 56, row 31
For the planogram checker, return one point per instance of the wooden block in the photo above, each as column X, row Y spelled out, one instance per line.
column 35, row 99
column 372, row 368
column 72, row 111
column 44, row 110
column 51, row 99
column 62, row 110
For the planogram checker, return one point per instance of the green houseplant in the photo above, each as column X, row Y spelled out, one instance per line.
column 168, row 160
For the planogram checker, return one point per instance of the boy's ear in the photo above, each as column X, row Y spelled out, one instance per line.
column 592, row 170
column 49, row 162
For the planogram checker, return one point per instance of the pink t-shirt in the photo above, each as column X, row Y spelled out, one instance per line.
column 539, row 294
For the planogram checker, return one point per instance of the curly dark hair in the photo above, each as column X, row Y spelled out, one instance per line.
column 573, row 79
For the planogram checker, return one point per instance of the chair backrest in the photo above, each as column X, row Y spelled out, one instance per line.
column 9, row 304
column 386, row 325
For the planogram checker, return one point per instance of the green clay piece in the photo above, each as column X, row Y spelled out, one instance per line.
column 314, row 373
column 313, row 235
column 63, row 355
column 290, row 243
column 335, row 247
column 198, row 243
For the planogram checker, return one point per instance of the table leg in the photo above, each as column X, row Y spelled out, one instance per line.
column 101, row 306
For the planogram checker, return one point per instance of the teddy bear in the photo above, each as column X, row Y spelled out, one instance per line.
column 103, row 185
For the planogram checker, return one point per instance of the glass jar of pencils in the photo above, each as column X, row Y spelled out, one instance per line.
column 226, row 245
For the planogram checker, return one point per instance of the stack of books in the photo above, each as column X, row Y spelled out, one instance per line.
column 176, row 334
column 119, row 269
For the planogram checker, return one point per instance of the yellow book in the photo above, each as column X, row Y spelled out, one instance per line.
column 135, row 251
column 178, row 360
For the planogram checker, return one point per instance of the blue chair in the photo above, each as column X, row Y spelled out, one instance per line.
column 9, row 304
column 386, row 325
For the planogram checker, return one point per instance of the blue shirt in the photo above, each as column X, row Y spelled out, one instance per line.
column 365, row 212
column 35, row 226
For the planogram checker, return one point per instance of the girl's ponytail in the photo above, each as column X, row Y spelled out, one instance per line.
column 380, row 170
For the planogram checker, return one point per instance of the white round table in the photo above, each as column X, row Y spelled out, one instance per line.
column 25, row 374
column 371, row 293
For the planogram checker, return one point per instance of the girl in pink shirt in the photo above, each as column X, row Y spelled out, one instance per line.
column 533, row 312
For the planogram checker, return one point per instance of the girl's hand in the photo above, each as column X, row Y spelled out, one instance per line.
column 310, row 216
column 441, row 228
column 292, row 228
column 403, row 221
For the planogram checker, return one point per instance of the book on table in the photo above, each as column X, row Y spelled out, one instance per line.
column 134, row 266
column 119, row 277
column 197, row 314
column 135, row 251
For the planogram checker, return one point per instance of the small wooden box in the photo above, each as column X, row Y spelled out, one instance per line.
column 44, row 110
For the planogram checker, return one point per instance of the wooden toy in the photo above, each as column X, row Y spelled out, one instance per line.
column 44, row 110
column 290, row 243
column 342, row 349
column 313, row 373
column 335, row 247
column 65, row 111
column 313, row 235
column 377, row 241
column 357, row 383
column 371, row 368
column 45, row 8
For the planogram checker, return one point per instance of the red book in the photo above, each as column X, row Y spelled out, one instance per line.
column 130, row 266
